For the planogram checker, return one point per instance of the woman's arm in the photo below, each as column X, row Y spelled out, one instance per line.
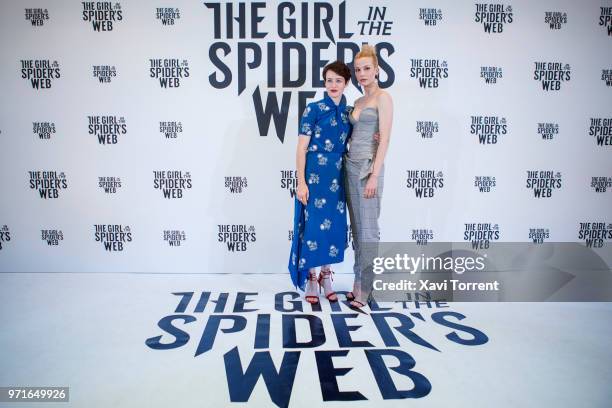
column 385, row 120
column 300, row 164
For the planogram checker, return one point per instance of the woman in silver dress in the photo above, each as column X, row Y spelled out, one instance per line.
column 372, row 113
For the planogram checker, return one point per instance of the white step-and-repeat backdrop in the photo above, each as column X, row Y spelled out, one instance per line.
column 142, row 137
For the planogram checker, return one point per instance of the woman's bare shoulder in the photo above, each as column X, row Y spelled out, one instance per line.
column 383, row 96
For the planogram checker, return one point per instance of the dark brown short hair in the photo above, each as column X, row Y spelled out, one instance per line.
column 339, row 68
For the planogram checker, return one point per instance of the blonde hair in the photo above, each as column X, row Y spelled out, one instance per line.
column 367, row 51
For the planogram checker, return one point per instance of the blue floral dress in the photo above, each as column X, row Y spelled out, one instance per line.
column 319, row 227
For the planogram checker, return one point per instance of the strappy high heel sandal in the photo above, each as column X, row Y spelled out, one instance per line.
column 359, row 304
column 354, row 302
column 350, row 296
column 329, row 293
column 311, row 295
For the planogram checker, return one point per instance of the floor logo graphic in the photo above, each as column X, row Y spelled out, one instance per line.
column 306, row 335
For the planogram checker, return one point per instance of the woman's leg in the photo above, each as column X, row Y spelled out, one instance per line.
column 367, row 235
column 354, row 197
column 325, row 280
column 311, row 287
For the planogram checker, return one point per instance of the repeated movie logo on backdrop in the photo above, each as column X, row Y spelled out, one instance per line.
column 169, row 71
column 490, row 74
column 428, row 72
column 51, row 236
column 601, row 184
column 488, row 128
column 36, row 16
column 167, row 15
column 246, row 50
column 606, row 76
column 106, row 128
column 605, row 19
column 174, row 237
column 113, row 237
column 102, row 14
column 170, row 129
column 237, row 237
column 43, row 129
column 48, row 183
column 551, row 74
column 430, row 16
column 484, row 184
column 40, row 72
column 422, row 236
column 548, row 130
column 493, row 16
column 543, row 182
column 171, row 183
column 427, row 128
column 289, row 181
column 235, row 184
column 555, row 19
column 424, row 182
column 104, row 73
column 109, row 184
column 481, row 234
column 538, row 235
column 601, row 130
column 594, row 234
column 5, row 236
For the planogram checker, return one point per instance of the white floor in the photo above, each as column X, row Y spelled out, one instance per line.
column 88, row 332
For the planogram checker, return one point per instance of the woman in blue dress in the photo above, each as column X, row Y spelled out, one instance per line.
column 319, row 226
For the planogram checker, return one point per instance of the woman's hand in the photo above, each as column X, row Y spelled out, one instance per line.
column 370, row 187
column 302, row 193
column 377, row 137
